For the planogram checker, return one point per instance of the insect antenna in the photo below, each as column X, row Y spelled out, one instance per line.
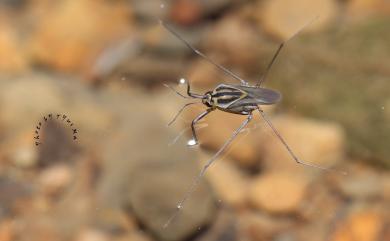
column 225, row 70
column 177, row 92
column 204, row 168
column 181, row 110
column 292, row 154
column 264, row 76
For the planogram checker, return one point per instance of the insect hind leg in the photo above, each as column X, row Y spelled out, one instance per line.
column 290, row 151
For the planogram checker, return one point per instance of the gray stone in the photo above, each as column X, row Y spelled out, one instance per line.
column 142, row 172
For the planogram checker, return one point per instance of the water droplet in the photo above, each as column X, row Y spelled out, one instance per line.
column 191, row 142
column 162, row 5
column 182, row 81
column 383, row 108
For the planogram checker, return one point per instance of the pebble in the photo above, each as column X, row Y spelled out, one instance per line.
column 230, row 185
column 233, row 39
column 245, row 150
column 283, row 18
column 318, row 142
column 54, row 179
column 7, row 230
column 278, row 192
column 14, row 59
column 362, row 9
column 260, row 226
column 151, row 177
column 361, row 183
column 88, row 26
column 92, row 235
column 22, row 151
column 362, row 223
column 185, row 12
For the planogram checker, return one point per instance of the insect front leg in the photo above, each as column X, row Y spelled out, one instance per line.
column 194, row 140
column 193, row 95
column 189, row 93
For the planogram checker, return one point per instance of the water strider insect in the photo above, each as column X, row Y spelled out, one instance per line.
column 240, row 99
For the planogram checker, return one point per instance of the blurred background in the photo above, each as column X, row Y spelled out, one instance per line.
column 103, row 63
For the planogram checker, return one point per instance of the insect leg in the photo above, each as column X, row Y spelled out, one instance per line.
column 225, row 70
column 198, row 118
column 204, row 169
column 189, row 93
column 292, row 154
column 264, row 76
column 193, row 95
column 181, row 110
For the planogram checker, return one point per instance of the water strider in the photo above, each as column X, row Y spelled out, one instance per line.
column 241, row 99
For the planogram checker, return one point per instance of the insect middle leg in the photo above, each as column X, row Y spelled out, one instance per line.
column 198, row 118
column 198, row 178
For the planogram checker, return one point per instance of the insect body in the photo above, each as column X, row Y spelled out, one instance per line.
column 236, row 99
column 240, row 99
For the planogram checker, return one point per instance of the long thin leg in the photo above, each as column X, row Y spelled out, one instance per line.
column 264, row 76
column 292, row 154
column 198, row 118
column 181, row 110
column 204, row 168
column 198, row 127
column 225, row 70
column 191, row 94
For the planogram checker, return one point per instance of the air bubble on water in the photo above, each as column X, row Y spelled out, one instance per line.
column 179, row 206
column 191, row 142
column 182, row 81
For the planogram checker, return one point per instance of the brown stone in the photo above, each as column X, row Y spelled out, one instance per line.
column 257, row 226
column 230, row 185
column 204, row 75
column 361, row 225
column 283, row 18
column 13, row 58
column 278, row 192
column 361, row 9
column 134, row 236
column 92, row 235
column 7, row 232
column 185, row 12
column 245, row 150
column 234, row 39
column 54, row 179
column 318, row 142
column 362, row 182
column 72, row 33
